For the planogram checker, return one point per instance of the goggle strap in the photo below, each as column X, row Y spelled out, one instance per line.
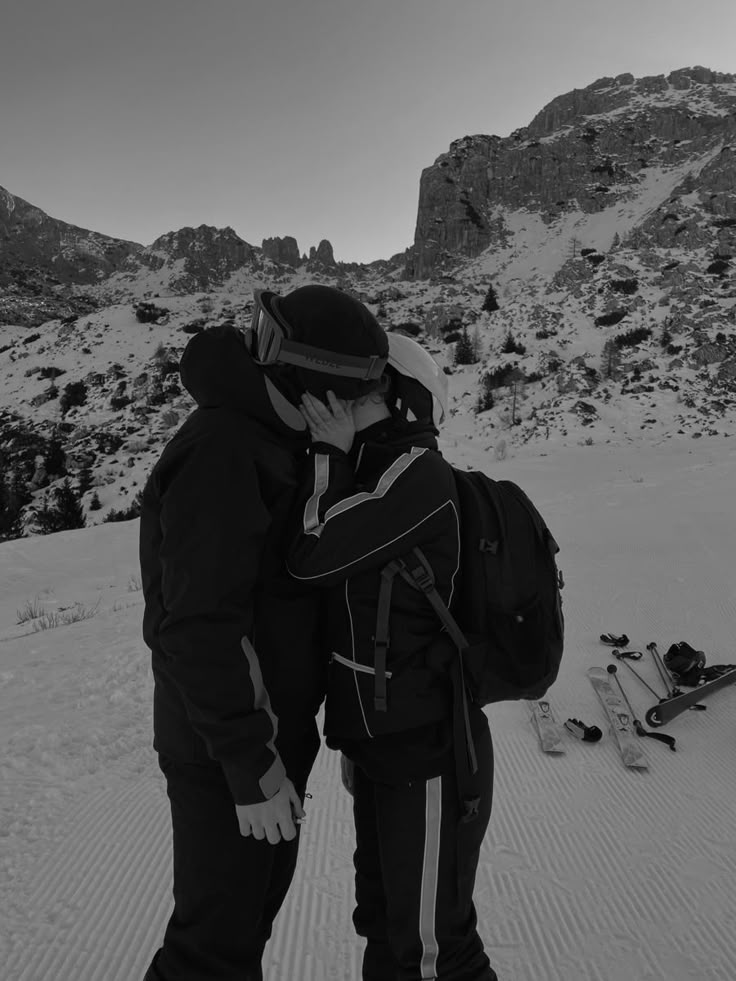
column 330, row 362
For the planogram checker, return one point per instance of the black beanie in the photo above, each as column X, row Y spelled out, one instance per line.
column 327, row 318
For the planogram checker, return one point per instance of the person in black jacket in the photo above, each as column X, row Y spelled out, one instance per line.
column 375, row 488
column 238, row 675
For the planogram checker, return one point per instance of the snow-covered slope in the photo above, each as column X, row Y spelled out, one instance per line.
column 589, row 872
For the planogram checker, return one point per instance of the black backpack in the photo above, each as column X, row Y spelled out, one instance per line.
column 506, row 619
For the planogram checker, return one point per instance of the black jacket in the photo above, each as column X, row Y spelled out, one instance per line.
column 356, row 513
column 234, row 651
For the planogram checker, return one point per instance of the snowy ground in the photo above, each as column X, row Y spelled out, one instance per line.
column 589, row 872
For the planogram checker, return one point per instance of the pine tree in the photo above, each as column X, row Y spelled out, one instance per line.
column 66, row 513
column 46, row 518
column 69, row 507
column 490, row 304
column 84, row 480
column 511, row 346
column 14, row 495
column 6, row 512
column 54, row 460
column 464, row 353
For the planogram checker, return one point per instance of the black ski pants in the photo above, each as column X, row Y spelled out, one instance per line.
column 227, row 888
column 415, row 866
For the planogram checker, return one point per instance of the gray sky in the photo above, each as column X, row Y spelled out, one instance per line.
column 311, row 118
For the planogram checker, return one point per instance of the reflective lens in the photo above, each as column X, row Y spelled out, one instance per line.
column 268, row 335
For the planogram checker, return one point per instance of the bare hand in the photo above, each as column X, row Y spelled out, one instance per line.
column 274, row 819
column 332, row 423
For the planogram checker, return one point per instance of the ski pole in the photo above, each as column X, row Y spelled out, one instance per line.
column 640, row 730
column 619, row 657
column 672, row 689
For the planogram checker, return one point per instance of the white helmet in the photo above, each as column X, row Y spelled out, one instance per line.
column 410, row 361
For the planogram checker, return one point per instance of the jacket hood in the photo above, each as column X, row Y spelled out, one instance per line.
column 218, row 372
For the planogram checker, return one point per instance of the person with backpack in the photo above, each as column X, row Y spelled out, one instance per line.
column 238, row 673
column 379, row 507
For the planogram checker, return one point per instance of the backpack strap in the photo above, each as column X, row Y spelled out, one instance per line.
column 417, row 571
column 381, row 639
column 466, row 761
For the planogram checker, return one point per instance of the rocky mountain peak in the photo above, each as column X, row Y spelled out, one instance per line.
column 184, row 241
column 322, row 257
column 34, row 241
column 282, row 250
column 583, row 152
column 198, row 258
column 699, row 87
column 42, row 259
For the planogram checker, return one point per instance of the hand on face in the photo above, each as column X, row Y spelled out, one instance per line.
column 332, row 423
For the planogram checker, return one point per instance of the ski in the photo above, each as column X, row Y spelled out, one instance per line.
column 548, row 729
column 640, row 730
column 670, row 708
column 620, row 719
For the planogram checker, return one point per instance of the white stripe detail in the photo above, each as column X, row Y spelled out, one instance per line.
column 378, row 548
column 352, row 647
column 430, row 876
column 321, row 483
column 355, row 665
column 457, row 567
column 386, row 481
column 274, row 776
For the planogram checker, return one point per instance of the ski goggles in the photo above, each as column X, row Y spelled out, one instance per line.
column 270, row 344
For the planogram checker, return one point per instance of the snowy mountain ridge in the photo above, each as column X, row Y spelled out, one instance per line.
column 605, row 316
column 584, row 151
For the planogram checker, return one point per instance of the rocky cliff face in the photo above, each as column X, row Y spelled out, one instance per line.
column 284, row 251
column 584, row 151
column 699, row 213
column 322, row 257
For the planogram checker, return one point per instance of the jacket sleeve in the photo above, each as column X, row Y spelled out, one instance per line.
column 343, row 530
column 213, row 526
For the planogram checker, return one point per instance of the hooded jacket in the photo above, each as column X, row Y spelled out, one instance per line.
column 237, row 673
column 356, row 513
